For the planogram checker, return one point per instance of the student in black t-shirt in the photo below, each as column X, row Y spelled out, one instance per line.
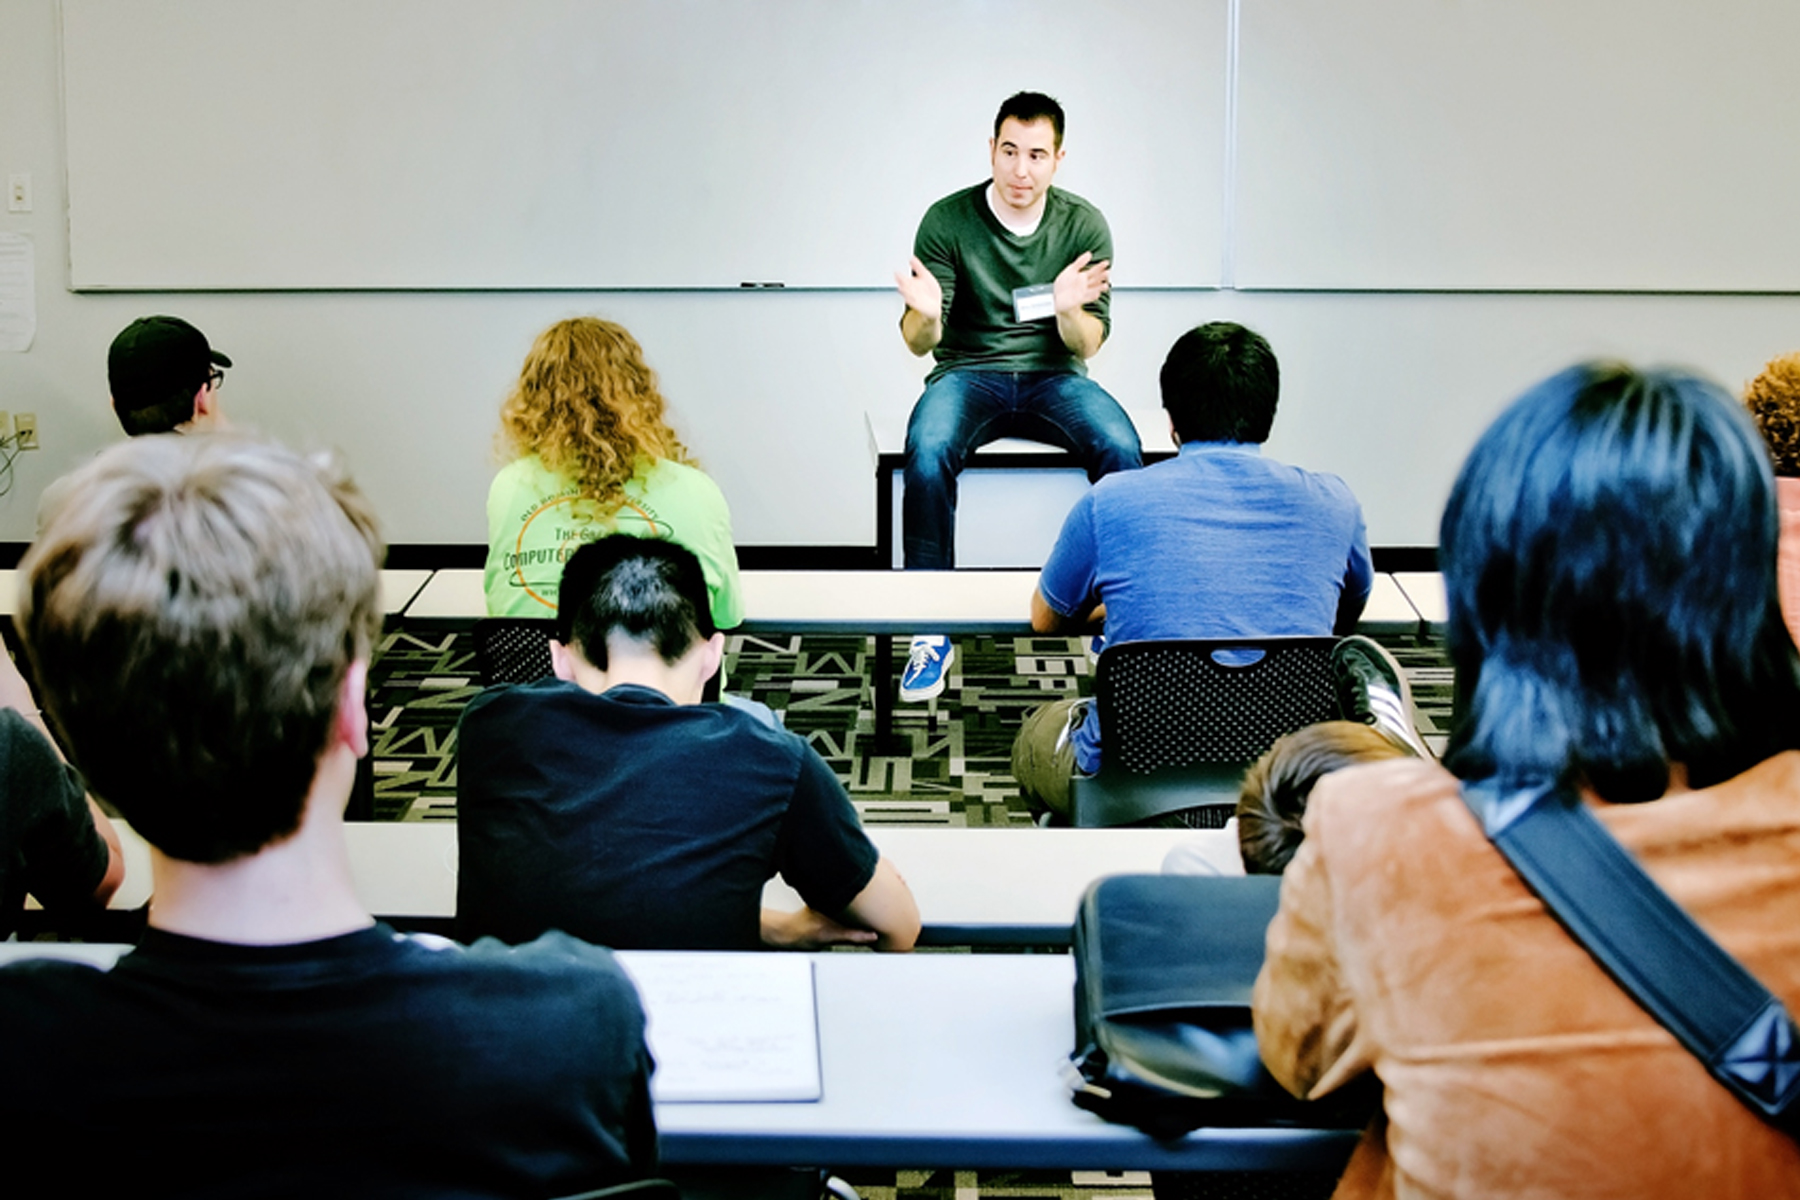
column 200, row 611
column 610, row 803
column 55, row 843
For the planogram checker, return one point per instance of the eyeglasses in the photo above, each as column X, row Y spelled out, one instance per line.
column 216, row 378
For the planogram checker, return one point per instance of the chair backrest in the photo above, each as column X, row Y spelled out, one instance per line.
column 513, row 649
column 1188, row 703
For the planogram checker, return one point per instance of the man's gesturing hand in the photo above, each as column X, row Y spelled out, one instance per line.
column 922, row 325
column 921, row 290
column 1081, row 282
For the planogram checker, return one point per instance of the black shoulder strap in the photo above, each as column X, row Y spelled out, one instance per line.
column 1648, row 943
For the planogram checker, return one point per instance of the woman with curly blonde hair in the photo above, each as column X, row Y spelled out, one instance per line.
column 591, row 454
column 1773, row 399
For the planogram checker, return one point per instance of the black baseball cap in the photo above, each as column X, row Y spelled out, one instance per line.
column 157, row 359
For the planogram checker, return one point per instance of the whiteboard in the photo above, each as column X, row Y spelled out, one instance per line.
column 1518, row 144
column 542, row 144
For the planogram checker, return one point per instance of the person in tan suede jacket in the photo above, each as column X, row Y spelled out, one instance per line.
column 1609, row 552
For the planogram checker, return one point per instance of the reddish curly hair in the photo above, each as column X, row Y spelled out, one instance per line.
column 587, row 405
column 1773, row 399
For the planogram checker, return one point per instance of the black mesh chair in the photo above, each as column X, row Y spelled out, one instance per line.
column 1181, row 721
column 513, row 649
column 517, row 650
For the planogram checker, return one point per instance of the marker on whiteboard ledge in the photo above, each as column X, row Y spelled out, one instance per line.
column 762, row 284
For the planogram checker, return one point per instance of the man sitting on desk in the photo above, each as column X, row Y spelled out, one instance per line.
column 610, row 803
column 1218, row 542
column 1008, row 288
column 200, row 611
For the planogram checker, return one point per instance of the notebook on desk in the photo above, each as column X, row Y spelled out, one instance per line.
column 729, row 1027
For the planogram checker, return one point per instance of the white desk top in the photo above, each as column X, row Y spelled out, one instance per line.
column 971, row 884
column 932, row 1058
column 1426, row 591
column 803, row 601
column 899, row 602
column 940, row 1058
column 397, row 587
column 1388, row 610
column 451, row 594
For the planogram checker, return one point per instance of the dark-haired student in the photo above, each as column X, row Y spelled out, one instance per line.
column 1219, row 542
column 201, row 611
column 1270, row 819
column 611, row 803
column 164, row 377
column 1609, row 554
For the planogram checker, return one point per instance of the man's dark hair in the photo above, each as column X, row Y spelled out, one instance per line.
column 1220, row 383
column 1271, row 805
column 1026, row 107
column 645, row 588
column 1609, row 554
column 165, row 417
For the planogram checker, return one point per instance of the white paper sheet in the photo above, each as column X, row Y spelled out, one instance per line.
column 727, row 1027
column 18, row 293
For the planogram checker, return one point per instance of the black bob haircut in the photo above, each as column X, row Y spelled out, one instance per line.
column 645, row 588
column 1027, row 107
column 1220, row 383
column 1609, row 553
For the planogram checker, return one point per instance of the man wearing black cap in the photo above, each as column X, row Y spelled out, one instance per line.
column 164, row 377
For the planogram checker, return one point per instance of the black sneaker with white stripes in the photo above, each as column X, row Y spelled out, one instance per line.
column 1372, row 689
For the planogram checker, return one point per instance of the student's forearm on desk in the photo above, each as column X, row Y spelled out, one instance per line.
column 887, row 906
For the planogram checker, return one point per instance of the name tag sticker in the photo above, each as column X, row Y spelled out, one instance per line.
column 1034, row 303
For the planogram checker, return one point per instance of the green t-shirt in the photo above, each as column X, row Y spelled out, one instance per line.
column 979, row 262
column 536, row 519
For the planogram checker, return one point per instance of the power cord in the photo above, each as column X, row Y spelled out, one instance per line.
column 9, row 450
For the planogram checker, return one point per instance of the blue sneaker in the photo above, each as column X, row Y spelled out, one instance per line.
column 923, row 679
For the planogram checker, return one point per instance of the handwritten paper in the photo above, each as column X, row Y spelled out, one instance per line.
column 18, row 293
column 729, row 1027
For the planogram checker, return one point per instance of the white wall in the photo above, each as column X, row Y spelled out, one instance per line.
column 1388, row 390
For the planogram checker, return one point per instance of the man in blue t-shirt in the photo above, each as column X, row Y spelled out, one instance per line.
column 1219, row 542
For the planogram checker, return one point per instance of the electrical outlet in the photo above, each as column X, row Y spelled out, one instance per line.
column 18, row 192
column 25, row 426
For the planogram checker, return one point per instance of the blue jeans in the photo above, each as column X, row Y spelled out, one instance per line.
column 963, row 410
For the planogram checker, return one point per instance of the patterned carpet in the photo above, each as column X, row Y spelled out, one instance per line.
column 956, row 774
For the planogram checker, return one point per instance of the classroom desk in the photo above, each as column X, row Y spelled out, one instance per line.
column 931, row 1060
column 878, row 602
column 1425, row 589
column 397, row 590
column 973, row 886
column 953, row 1060
column 885, row 604
column 399, row 587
